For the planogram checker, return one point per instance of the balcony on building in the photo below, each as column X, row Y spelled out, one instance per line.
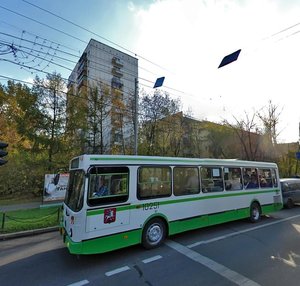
column 70, row 84
column 116, row 83
column 83, row 58
column 82, row 81
column 117, row 137
column 116, row 72
column 117, row 62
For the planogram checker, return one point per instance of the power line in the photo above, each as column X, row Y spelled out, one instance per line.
column 48, row 26
column 68, row 93
column 54, row 55
column 93, row 33
column 38, row 56
column 43, row 24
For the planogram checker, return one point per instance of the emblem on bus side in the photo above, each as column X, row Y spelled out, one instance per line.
column 110, row 215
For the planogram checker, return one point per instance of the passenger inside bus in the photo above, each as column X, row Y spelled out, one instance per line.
column 253, row 184
column 192, row 184
column 102, row 190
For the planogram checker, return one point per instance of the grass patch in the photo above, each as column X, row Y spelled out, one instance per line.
column 21, row 220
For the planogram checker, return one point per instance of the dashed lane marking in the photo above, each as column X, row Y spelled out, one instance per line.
column 117, row 271
column 80, row 283
column 125, row 268
column 151, row 259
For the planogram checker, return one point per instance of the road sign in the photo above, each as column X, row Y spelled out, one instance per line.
column 159, row 82
column 229, row 58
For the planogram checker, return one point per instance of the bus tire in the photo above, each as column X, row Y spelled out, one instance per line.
column 154, row 233
column 255, row 212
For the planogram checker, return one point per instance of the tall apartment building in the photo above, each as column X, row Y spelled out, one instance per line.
column 107, row 79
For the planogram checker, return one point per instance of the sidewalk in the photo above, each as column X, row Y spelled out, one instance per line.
column 33, row 205
column 24, row 206
column 6, row 236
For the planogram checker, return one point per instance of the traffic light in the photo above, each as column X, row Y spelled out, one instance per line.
column 3, row 153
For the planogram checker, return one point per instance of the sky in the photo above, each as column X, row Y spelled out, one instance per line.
column 182, row 40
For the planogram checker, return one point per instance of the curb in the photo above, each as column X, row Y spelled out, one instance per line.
column 28, row 232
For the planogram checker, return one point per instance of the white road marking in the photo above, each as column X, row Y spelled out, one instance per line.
column 211, row 264
column 80, row 283
column 116, row 271
column 151, row 259
column 240, row 232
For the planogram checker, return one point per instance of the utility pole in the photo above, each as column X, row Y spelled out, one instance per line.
column 298, row 153
column 136, row 102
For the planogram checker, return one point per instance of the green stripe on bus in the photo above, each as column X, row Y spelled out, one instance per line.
column 176, row 201
column 128, row 238
column 104, row 244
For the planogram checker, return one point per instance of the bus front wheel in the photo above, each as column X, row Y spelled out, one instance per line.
column 255, row 212
column 154, row 233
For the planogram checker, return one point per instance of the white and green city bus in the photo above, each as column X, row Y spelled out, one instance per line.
column 147, row 199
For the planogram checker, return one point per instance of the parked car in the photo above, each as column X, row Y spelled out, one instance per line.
column 290, row 188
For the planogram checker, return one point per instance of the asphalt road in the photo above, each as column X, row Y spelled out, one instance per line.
column 237, row 253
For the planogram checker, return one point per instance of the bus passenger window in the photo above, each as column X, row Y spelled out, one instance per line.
column 250, row 178
column 212, row 179
column 186, row 181
column 154, row 182
column 274, row 178
column 100, row 188
column 265, row 178
column 108, row 185
column 233, row 179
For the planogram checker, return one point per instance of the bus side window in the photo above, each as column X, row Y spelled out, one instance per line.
column 212, row 179
column 274, row 178
column 265, row 178
column 92, row 185
column 154, row 182
column 186, row 181
column 107, row 185
column 250, row 178
column 233, row 179
column 116, row 187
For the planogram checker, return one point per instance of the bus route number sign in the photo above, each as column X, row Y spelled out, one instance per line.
column 150, row 206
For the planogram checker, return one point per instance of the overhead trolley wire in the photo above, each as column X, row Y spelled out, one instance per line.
column 58, row 30
column 93, row 33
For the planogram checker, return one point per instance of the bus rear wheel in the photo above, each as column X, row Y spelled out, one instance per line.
column 255, row 212
column 154, row 233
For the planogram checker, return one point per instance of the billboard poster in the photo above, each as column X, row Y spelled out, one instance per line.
column 55, row 187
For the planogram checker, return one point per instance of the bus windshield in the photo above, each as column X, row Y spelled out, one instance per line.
column 75, row 190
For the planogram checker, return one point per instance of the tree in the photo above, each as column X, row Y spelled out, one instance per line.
column 52, row 104
column 153, row 109
column 97, row 114
column 21, row 119
column 270, row 118
column 76, row 121
column 249, row 136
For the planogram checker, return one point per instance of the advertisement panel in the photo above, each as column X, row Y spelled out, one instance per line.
column 55, row 187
